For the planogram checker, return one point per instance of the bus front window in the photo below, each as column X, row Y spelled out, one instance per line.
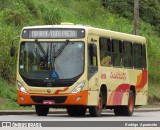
column 57, row 60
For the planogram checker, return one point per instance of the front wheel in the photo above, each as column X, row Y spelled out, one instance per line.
column 76, row 111
column 41, row 110
column 96, row 111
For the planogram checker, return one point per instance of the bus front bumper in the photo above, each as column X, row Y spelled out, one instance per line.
column 80, row 98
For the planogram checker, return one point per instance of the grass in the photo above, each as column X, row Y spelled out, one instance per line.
column 8, row 97
column 154, row 94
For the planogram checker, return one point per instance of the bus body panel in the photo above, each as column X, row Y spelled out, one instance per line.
column 53, row 100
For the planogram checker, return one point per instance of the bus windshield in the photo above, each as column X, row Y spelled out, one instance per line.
column 51, row 60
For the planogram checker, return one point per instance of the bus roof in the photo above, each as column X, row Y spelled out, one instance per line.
column 96, row 31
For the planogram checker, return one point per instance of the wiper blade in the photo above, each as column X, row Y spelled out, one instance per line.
column 61, row 49
column 41, row 48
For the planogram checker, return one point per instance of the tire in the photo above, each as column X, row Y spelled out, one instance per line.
column 71, row 111
column 76, row 111
column 118, row 111
column 95, row 111
column 126, row 110
column 41, row 110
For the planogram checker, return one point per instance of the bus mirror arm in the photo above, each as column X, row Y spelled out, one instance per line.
column 12, row 50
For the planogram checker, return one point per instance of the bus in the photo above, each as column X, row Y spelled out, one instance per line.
column 80, row 68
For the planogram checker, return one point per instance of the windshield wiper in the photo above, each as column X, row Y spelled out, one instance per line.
column 61, row 49
column 41, row 48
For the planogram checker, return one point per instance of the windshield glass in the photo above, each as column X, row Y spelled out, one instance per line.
column 51, row 60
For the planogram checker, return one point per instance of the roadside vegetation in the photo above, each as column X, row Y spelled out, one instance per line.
column 15, row 14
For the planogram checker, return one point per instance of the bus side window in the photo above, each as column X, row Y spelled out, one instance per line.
column 105, row 52
column 137, row 55
column 117, row 54
column 127, row 50
column 92, row 58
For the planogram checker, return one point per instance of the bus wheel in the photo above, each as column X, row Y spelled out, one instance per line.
column 41, row 110
column 76, row 111
column 81, row 111
column 71, row 111
column 95, row 111
column 126, row 110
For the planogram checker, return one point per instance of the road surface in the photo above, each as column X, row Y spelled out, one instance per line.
column 106, row 117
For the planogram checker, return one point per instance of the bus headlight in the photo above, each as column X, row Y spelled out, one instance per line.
column 79, row 87
column 21, row 87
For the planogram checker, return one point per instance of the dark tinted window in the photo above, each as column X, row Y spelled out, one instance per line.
column 128, row 58
column 137, row 53
column 105, row 51
column 117, row 53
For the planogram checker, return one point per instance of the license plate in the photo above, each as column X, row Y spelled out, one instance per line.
column 49, row 102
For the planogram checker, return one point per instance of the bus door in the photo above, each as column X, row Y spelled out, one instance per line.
column 93, row 70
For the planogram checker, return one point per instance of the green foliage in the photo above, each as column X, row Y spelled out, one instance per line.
column 149, row 10
column 122, row 7
column 32, row 7
column 8, row 97
column 5, row 4
column 7, row 92
column 52, row 16
column 7, row 63
column 16, row 14
column 15, row 17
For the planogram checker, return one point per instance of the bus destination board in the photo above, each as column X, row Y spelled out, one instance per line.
column 53, row 33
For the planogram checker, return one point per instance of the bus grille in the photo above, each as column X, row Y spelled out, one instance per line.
column 57, row 99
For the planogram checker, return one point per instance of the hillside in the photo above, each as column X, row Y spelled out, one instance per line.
column 15, row 14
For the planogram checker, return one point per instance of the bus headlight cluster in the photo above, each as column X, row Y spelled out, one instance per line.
column 79, row 87
column 21, row 87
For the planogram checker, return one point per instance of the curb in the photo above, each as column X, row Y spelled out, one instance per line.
column 63, row 111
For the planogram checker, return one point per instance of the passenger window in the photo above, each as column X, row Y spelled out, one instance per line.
column 105, row 52
column 128, row 58
column 137, row 53
column 117, row 54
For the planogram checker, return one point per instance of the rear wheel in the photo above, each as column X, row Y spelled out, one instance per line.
column 95, row 111
column 131, row 103
column 41, row 110
column 126, row 110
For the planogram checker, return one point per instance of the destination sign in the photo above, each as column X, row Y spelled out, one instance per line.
column 53, row 33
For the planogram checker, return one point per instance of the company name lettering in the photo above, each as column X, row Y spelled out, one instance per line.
column 118, row 75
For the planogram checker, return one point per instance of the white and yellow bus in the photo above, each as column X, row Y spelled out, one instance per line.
column 81, row 67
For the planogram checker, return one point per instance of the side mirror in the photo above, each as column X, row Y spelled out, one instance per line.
column 12, row 50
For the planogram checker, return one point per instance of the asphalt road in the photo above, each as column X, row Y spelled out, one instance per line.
column 60, row 118
column 106, row 116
